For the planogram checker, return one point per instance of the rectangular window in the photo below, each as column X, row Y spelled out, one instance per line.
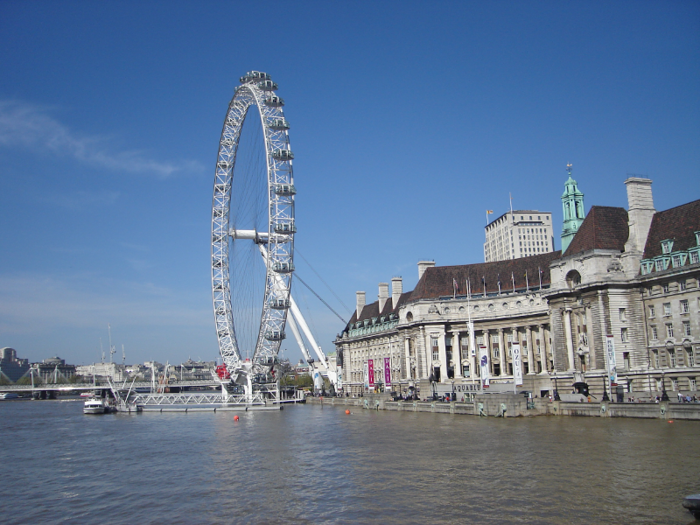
column 659, row 265
column 652, row 312
column 669, row 330
column 684, row 306
column 623, row 314
column 626, row 360
column 694, row 258
column 623, row 335
column 693, row 385
column 667, row 309
column 654, row 333
column 655, row 358
column 676, row 259
column 666, row 288
column 683, row 286
column 671, row 358
column 691, row 357
column 674, row 385
column 686, row 328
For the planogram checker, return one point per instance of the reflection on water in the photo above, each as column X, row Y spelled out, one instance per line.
column 311, row 464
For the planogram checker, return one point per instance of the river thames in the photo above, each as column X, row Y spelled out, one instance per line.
column 313, row 464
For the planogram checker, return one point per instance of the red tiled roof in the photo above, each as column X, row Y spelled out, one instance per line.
column 438, row 281
column 679, row 224
column 604, row 228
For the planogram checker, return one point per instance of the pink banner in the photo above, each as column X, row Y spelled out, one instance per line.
column 370, row 370
column 387, row 371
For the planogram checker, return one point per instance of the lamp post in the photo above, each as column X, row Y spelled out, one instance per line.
column 605, row 392
column 556, row 390
column 664, row 395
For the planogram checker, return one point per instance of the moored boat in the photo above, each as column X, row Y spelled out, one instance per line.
column 96, row 406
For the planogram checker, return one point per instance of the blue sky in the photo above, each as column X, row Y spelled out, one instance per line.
column 408, row 120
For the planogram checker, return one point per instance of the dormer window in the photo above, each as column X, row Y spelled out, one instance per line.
column 697, row 238
column 667, row 246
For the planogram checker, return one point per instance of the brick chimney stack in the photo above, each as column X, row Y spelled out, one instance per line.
column 396, row 290
column 383, row 295
column 360, row 302
column 424, row 265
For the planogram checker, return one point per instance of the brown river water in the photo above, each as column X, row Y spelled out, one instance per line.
column 313, row 464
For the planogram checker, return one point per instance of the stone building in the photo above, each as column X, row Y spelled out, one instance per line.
column 670, row 289
column 12, row 368
column 616, row 313
column 519, row 233
column 54, row 370
column 429, row 340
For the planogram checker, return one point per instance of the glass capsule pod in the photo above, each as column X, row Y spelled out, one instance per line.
column 278, row 124
column 282, row 154
column 285, row 190
column 268, row 85
column 274, row 335
column 277, row 303
column 274, row 101
column 285, row 227
column 251, row 76
column 283, row 267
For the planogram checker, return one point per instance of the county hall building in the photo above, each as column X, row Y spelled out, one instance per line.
column 616, row 313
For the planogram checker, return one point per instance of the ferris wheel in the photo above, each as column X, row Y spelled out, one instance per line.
column 253, row 227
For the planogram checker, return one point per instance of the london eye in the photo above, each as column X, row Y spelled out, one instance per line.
column 252, row 255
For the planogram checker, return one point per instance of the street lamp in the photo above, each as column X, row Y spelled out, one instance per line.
column 664, row 395
column 605, row 392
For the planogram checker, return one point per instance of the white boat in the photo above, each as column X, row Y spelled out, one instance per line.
column 96, row 406
column 8, row 395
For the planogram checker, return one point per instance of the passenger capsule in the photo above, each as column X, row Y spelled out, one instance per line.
column 278, row 124
column 285, row 190
column 274, row 101
column 282, row 155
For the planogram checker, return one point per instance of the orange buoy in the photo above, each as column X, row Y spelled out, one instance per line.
column 671, row 421
column 347, row 412
column 235, row 418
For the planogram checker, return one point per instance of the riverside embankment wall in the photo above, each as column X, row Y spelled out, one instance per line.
column 511, row 405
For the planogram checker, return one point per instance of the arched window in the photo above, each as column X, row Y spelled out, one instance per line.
column 573, row 278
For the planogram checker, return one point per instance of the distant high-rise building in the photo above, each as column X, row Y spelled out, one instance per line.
column 572, row 201
column 519, row 233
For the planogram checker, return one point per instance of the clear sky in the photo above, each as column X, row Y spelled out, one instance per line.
column 408, row 120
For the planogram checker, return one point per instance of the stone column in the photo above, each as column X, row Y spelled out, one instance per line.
column 530, row 351
column 589, row 334
column 442, row 353
column 423, row 367
column 489, row 350
column 567, row 335
column 457, row 353
column 503, row 354
column 406, row 372
column 543, row 349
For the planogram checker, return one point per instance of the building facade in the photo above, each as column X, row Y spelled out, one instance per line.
column 617, row 313
column 11, row 367
column 433, row 340
column 520, row 233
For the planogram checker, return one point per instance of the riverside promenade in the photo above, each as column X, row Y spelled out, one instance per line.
column 513, row 405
